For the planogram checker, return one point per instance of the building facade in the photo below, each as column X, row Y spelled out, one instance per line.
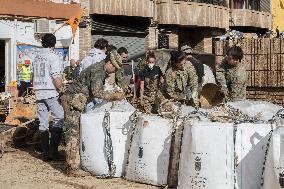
column 277, row 14
column 22, row 26
column 139, row 24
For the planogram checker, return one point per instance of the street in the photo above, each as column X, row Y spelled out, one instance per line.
column 24, row 170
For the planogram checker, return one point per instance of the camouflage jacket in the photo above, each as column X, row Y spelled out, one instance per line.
column 177, row 81
column 90, row 82
column 233, row 79
column 70, row 73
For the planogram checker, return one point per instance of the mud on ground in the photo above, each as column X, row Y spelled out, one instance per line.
column 22, row 169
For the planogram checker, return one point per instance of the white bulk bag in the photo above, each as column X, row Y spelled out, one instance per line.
column 207, row 156
column 208, row 75
column 274, row 165
column 250, row 147
column 93, row 155
column 150, row 151
column 260, row 109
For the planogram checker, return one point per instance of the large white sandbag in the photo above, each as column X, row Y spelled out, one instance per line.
column 186, row 110
column 260, row 109
column 208, row 75
column 119, row 106
column 150, row 151
column 250, row 148
column 274, row 166
column 207, row 156
column 93, row 153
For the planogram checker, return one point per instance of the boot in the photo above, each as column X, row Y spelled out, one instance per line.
column 44, row 141
column 56, row 133
column 73, row 158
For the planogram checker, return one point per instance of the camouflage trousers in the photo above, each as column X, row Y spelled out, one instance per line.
column 150, row 102
column 72, row 135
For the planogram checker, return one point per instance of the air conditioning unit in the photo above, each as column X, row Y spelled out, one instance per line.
column 45, row 26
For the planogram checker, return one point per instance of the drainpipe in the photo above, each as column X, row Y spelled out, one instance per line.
column 11, row 73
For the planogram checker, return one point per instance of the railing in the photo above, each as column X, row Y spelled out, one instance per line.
column 242, row 4
column 212, row 2
column 192, row 14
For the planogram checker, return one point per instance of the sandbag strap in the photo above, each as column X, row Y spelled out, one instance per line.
column 266, row 155
column 108, row 148
column 134, row 119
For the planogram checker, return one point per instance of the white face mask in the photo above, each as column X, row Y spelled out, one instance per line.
column 151, row 65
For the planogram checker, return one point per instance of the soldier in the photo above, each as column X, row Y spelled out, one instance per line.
column 70, row 72
column 122, row 51
column 47, row 80
column 178, row 77
column 203, row 72
column 151, row 79
column 231, row 75
column 85, row 88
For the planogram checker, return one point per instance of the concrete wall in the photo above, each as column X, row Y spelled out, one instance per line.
column 18, row 32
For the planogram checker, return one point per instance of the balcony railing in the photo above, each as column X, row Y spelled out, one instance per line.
column 141, row 8
column 192, row 14
column 245, row 4
column 212, row 2
column 256, row 18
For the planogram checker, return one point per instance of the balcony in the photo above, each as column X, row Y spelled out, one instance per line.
column 141, row 8
column 192, row 14
column 212, row 2
column 250, row 18
column 250, row 13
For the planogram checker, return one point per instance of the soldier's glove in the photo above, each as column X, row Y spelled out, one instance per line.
column 113, row 96
column 179, row 97
column 79, row 101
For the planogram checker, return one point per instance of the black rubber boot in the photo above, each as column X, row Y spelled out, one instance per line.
column 44, row 140
column 54, row 143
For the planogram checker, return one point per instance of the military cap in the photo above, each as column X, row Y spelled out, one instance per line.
column 186, row 49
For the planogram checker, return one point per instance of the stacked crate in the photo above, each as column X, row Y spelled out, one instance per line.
column 265, row 67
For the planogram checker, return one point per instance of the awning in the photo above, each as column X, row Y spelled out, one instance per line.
column 38, row 9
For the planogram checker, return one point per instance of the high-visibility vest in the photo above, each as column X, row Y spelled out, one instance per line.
column 26, row 73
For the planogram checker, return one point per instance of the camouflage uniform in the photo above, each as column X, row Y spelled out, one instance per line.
column 232, row 79
column 87, row 86
column 70, row 73
column 151, row 80
column 177, row 81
